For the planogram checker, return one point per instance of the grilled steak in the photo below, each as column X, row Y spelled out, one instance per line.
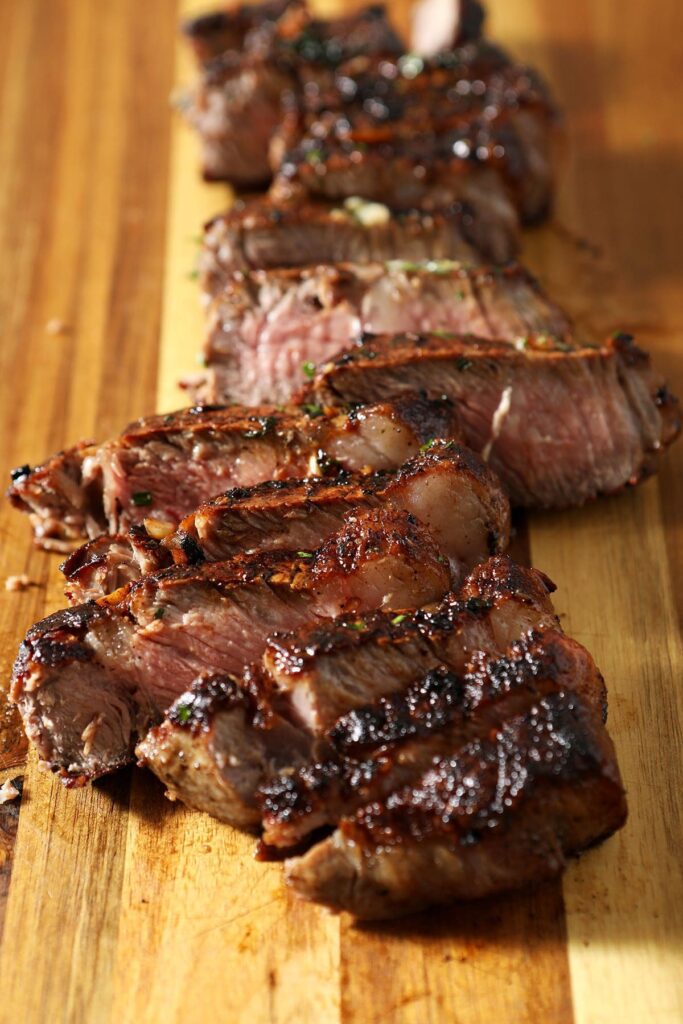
column 248, row 27
column 265, row 324
column 491, row 812
column 559, row 427
column 111, row 561
column 456, row 781
column 244, row 81
column 89, row 680
column 324, row 675
column 380, row 747
column 161, row 467
column 447, row 488
column 467, row 126
column 260, row 233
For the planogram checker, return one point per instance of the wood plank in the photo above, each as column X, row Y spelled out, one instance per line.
column 82, row 206
column 618, row 563
column 151, row 912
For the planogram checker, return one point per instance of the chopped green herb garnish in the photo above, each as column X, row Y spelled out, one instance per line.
column 398, row 619
column 358, row 626
column 142, row 498
column 428, row 444
column 313, row 410
column 309, row 369
column 305, row 554
column 183, row 714
column 159, row 613
column 313, row 156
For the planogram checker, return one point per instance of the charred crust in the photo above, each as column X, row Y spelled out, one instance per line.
column 425, row 706
column 191, row 549
column 58, row 639
column 194, row 710
column 480, row 786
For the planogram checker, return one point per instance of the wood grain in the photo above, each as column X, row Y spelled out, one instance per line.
column 124, row 907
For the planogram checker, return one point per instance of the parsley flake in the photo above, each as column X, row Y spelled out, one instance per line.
column 141, row 498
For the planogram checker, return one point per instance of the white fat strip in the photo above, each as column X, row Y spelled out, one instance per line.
column 502, row 410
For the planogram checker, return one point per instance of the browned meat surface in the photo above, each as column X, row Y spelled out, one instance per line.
column 379, row 748
column 246, row 27
column 559, row 427
column 265, row 324
column 327, row 672
column 260, row 233
column 490, row 812
column 89, row 680
column 236, row 90
column 162, row 467
column 454, row 780
column 248, row 61
column 466, row 126
column 446, row 487
column 326, row 680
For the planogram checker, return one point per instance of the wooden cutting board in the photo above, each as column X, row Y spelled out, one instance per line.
column 120, row 906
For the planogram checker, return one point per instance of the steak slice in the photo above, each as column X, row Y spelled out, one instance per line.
column 245, row 81
column 559, row 427
column 161, row 467
column 238, row 28
column 447, row 488
column 261, row 233
column 464, row 126
column 327, row 672
column 265, row 324
column 496, row 812
column 319, row 677
column 379, row 748
column 90, row 680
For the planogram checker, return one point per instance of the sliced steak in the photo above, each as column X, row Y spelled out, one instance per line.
column 265, row 324
column 322, row 677
column 90, row 680
column 238, row 28
column 162, row 467
column 236, row 89
column 446, row 488
column 559, row 427
column 260, row 233
column 244, row 83
column 327, row 672
column 491, row 813
column 217, row 744
column 467, row 126
column 379, row 748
